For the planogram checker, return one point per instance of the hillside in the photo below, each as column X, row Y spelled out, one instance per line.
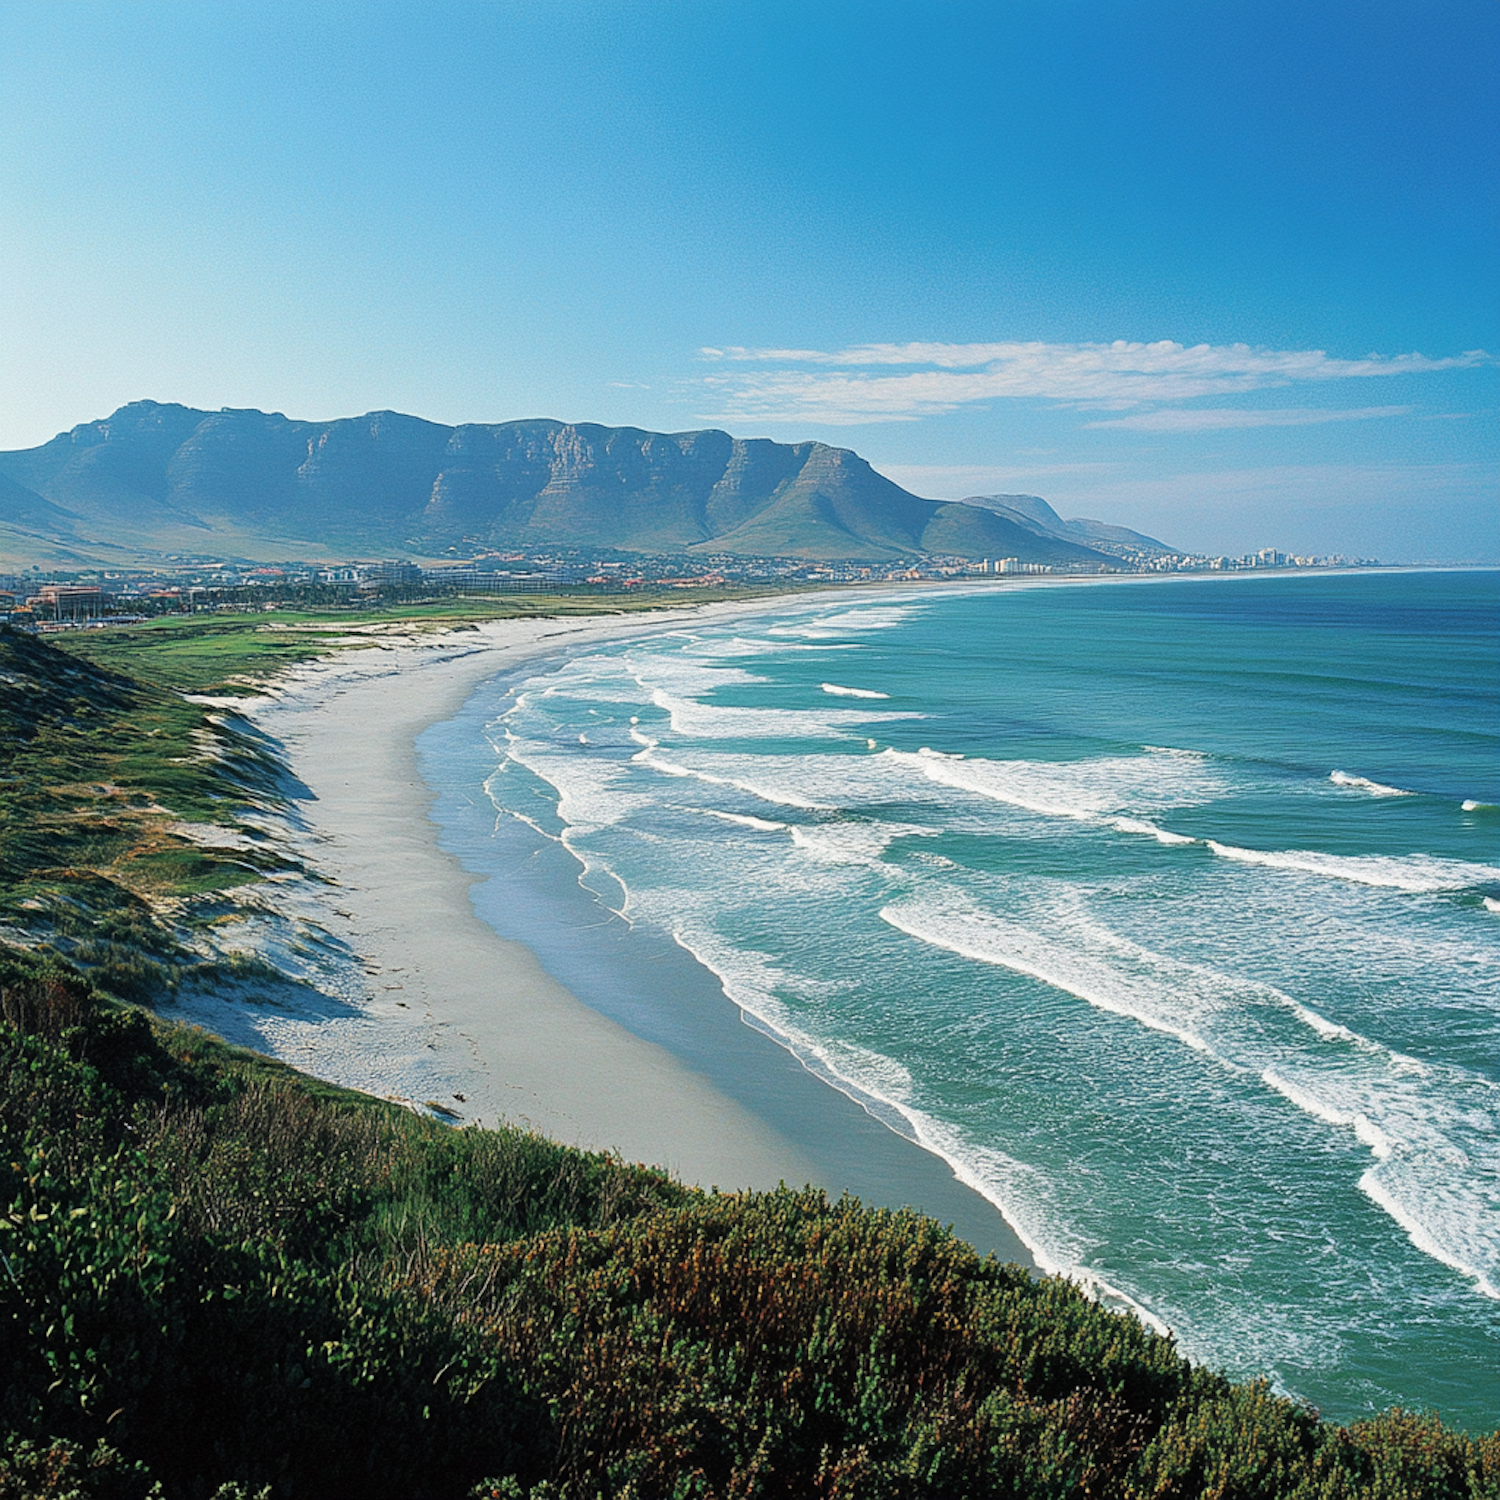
column 228, row 1280
column 1033, row 513
column 257, row 484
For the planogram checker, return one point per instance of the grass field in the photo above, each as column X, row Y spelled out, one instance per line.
column 236, row 653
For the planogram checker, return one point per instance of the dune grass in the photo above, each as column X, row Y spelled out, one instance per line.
column 119, row 801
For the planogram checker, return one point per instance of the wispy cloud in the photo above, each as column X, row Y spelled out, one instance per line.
column 847, row 387
column 1207, row 419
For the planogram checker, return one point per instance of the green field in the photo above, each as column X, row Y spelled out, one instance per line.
column 234, row 653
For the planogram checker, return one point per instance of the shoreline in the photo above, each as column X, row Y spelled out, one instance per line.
column 385, row 1007
column 411, row 994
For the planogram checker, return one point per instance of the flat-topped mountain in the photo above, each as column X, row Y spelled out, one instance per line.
column 252, row 483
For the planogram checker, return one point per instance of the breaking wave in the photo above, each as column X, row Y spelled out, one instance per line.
column 1434, row 1131
column 1421, row 874
column 1364, row 784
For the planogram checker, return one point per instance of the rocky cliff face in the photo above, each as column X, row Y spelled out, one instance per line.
column 387, row 482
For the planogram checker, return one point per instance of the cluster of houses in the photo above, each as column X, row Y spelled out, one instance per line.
column 55, row 603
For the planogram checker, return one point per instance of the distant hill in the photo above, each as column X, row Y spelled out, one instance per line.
column 1033, row 512
column 27, row 510
column 254, row 484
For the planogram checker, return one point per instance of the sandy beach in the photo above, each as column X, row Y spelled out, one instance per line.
column 407, row 993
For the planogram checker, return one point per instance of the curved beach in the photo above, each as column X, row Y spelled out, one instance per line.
column 418, row 998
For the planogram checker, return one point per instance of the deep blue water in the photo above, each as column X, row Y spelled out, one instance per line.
column 1168, row 913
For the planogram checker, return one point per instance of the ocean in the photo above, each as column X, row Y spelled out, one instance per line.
column 1166, row 912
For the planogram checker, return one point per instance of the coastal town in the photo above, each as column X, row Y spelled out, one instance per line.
column 62, row 599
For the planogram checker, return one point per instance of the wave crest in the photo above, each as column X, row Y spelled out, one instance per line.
column 1421, row 874
column 1364, row 784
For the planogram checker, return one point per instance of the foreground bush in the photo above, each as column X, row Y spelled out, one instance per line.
column 222, row 1279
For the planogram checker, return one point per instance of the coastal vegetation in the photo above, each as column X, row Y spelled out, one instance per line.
column 129, row 806
column 236, row 654
column 219, row 1277
column 120, row 803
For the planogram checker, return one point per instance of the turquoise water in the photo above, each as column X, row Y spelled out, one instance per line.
column 1167, row 913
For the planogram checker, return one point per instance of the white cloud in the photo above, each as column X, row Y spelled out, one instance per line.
column 843, row 388
column 1200, row 419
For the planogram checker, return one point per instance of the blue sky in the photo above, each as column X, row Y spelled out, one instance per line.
column 1226, row 272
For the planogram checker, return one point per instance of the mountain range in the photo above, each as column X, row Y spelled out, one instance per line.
column 155, row 479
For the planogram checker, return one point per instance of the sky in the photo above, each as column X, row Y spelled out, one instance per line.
column 1226, row 271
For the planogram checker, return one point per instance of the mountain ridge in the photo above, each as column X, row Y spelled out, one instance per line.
column 1032, row 512
column 246, row 482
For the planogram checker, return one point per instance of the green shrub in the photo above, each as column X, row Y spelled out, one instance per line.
column 56, row 1469
column 220, row 1280
column 802, row 1343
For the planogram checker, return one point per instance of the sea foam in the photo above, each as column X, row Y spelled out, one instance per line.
column 785, row 797
column 849, row 841
column 1364, row 784
column 1433, row 1130
column 744, row 820
column 1419, row 874
column 1151, row 830
column 847, row 622
column 693, row 719
column 1081, row 790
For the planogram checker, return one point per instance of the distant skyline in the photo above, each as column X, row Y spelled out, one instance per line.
column 1224, row 271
